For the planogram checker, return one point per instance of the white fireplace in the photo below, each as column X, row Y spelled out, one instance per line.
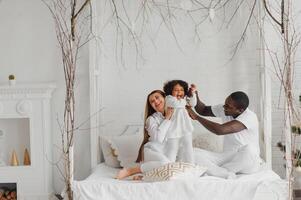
column 25, row 139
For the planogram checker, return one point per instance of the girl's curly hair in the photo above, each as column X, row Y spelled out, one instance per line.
column 168, row 86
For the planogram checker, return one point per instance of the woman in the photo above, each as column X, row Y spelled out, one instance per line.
column 156, row 124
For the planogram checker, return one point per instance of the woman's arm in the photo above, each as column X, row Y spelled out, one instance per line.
column 157, row 131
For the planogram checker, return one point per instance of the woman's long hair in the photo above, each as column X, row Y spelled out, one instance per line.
column 149, row 110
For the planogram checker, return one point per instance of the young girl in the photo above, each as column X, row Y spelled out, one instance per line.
column 179, row 136
column 156, row 124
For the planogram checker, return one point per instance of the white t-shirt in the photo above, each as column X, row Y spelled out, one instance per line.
column 248, row 136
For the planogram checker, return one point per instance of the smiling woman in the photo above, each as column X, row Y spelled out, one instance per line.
column 156, row 123
column 157, row 102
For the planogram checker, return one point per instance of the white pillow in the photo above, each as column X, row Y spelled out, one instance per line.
column 208, row 141
column 172, row 171
column 109, row 153
column 126, row 148
column 122, row 150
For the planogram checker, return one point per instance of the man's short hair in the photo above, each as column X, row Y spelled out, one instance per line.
column 241, row 99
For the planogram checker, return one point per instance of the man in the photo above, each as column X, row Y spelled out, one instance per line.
column 241, row 139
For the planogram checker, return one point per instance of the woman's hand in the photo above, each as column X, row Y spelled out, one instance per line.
column 191, row 113
column 168, row 113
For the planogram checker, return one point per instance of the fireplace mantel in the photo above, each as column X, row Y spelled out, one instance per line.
column 25, row 118
column 28, row 91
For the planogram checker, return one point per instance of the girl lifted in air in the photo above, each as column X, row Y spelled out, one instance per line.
column 179, row 135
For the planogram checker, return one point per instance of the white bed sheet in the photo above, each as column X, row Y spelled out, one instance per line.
column 101, row 185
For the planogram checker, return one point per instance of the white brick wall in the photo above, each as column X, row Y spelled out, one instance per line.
column 278, row 120
column 277, row 115
column 206, row 64
column 201, row 63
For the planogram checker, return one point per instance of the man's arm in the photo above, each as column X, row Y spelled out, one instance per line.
column 218, row 129
column 201, row 108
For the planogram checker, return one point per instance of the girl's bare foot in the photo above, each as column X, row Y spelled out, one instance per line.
column 137, row 178
column 123, row 174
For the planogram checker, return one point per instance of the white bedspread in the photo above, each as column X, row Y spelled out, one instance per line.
column 100, row 185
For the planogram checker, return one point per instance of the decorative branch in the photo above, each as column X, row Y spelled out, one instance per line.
column 271, row 15
column 69, row 36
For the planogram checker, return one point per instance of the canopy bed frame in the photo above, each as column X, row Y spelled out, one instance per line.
column 100, row 184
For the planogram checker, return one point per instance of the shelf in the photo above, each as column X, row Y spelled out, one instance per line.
column 14, row 138
column 20, row 167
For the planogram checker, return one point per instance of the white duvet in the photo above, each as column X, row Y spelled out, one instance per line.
column 101, row 185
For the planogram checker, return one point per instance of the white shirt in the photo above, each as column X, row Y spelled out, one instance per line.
column 156, row 126
column 180, row 121
column 248, row 136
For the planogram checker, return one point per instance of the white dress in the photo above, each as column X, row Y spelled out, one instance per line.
column 179, row 137
column 181, row 123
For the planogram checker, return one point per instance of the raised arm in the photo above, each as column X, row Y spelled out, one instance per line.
column 201, row 108
column 222, row 129
column 219, row 129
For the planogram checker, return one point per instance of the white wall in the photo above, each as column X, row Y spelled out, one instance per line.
column 274, row 43
column 206, row 63
column 30, row 51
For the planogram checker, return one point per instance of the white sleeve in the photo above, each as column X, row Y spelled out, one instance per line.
column 191, row 101
column 157, row 131
column 247, row 119
column 171, row 101
column 218, row 111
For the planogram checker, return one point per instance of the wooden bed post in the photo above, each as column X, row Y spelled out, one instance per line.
column 266, row 94
column 266, row 115
column 71, row 154
column 288, row 115
column 95, row 89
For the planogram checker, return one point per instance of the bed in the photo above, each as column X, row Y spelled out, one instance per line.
column 263, row 185
column 101, row 184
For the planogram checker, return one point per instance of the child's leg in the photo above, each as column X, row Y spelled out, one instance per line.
column 153, row 159
column 186, row 149
column 172, row 148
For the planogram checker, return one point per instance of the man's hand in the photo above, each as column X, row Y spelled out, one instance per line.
column 191, row 113
column 191, row 90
